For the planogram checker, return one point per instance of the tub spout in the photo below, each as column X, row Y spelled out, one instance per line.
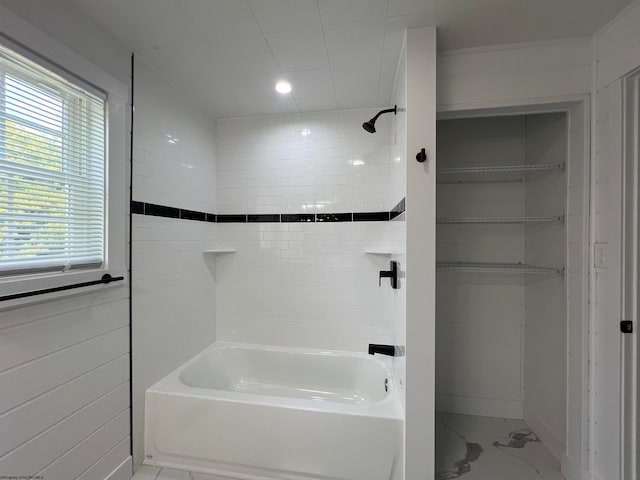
column 382, row 349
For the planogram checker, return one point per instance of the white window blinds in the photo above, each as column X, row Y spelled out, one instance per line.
column 52, row 171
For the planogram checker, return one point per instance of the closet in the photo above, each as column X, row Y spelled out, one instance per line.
column 501, row 309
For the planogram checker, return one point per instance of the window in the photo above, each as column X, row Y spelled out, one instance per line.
column 52, row 171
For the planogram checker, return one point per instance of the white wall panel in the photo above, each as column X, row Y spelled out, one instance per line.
column 545, row 335
column 513, row 73
column 72, row 27
column 38, row 376
column 617, row 53
column 103, row 468
column 421, row 252
column 475, row 313
column 606, row 311
column 37, row 453
column 83, row 456
column 617, row 46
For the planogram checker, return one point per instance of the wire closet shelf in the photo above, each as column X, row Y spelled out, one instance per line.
column 494, row 173
column 505, row 268
column 516, row 220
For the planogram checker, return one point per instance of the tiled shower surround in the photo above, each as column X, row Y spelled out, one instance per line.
column 299, row 197
column 172, row 302
column 305, row 163
column 304, row 284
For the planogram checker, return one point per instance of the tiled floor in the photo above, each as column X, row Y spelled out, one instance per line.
column 146, row 472
column 484, row 448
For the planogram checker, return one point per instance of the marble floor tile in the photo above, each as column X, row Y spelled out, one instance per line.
column 147, row 472
column 484, row 448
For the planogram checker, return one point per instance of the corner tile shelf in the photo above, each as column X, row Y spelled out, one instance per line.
column 220, row 250
column 508, row 268
column 473, row 220
column 490, row 174
column 384, row 251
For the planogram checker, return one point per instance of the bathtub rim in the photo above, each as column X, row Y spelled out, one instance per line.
column 389, row 407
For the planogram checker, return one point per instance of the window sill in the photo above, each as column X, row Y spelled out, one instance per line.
column 14, row 285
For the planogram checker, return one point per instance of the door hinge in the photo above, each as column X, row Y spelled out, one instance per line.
column 626, row 326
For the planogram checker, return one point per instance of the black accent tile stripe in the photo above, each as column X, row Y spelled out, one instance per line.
column 161, row 211
column 264, row 218
column 193, row 215
column 298, row 217
column 398, row 210
column 142, row 208
column 334, row 217
column 231, row 218
column 371, row 217
column 400, row 206
column 137, row 207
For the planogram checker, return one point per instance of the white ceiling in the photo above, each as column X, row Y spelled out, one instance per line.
column 228, row 54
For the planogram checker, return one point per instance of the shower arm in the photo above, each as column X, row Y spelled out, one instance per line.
column 388, row 110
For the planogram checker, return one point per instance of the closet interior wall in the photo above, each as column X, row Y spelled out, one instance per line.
column 545, row 310
column 501, row 336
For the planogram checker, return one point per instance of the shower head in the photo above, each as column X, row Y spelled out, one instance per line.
column 370, row 126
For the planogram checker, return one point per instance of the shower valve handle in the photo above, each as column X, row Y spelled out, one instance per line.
column 391, row 274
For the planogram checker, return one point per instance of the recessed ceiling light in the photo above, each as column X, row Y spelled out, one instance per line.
column 283, row 87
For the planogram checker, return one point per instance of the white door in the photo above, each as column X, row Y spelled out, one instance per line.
column 421, row 252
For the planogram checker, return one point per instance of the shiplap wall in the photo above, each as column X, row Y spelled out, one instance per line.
column 617, row 51
column 479, row 318
column 64, row 374
column 64, row 363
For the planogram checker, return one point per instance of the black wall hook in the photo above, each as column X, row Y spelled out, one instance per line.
column 421, row 156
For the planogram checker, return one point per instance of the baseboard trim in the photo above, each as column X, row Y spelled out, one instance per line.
column 543, row 431
column 571, row 471
column 123, row 472
column 479, row 406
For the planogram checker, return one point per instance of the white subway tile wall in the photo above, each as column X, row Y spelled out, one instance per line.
column 173, row 150
column 173, row 283
column 304, row 285
column 303, row 163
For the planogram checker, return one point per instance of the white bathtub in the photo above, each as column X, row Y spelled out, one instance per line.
column 257, row 412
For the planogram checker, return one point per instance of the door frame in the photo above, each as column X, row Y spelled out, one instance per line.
column 630, row 268
column 575, row 462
